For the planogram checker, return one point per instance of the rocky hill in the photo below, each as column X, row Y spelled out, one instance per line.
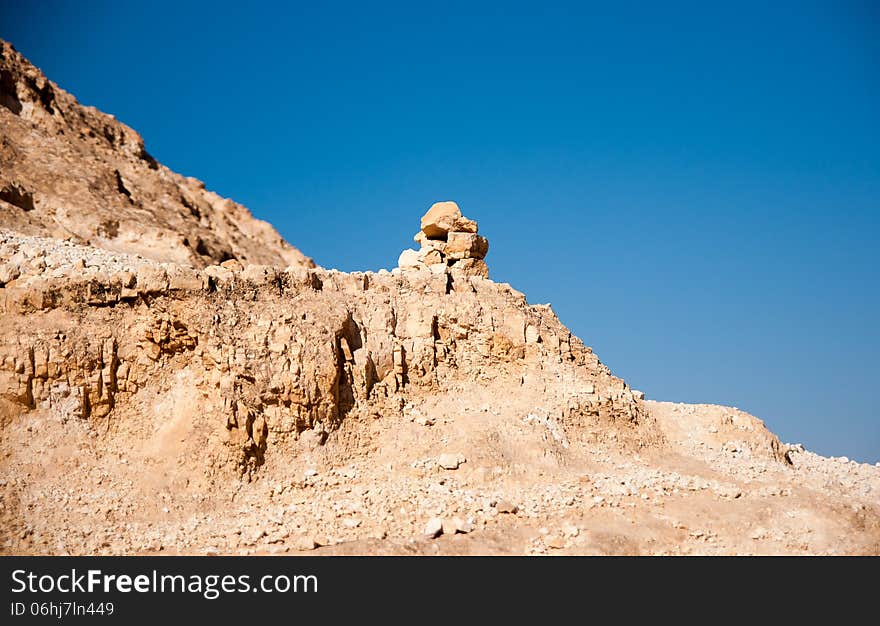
column 154, row 399
column 72, row 172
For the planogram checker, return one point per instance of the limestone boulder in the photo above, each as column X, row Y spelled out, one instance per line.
column 466, row 246
column 471, row 267
column 431, row 256
column 465, row 225
column 424, row 242
column 440, row 219
column 409, row 258
column 151, row 279
column 8, row 273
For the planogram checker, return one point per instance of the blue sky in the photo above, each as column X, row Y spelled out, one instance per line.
column 695, row 188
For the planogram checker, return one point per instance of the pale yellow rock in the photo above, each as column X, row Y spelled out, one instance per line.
column 233, row 265
column 298, row 275
column 532, row 334
column 434, row 528
column 440, row 219
column 465, row 225
column 466, row 246
column 304, row 543
column 505, row 506
column 219, row 273
column 409, row 259
column 419, row 323
column 431, row 256
column 471, row 267
column 185, row 278
column 259, row 274
column 151, row 279
column 456, row 525
column 8, row 273
column 448, row 461
column 345, row 349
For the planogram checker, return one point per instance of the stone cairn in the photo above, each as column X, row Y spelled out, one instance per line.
column 448, row 240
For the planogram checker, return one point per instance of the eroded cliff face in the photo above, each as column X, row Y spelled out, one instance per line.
column 71, row 171
column 268, row 354
column 158, row 408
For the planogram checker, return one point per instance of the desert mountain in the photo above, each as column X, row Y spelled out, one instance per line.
column 158, row 399
column 72, row 172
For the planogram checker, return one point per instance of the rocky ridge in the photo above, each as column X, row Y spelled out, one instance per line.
column 72, row 172
column 306, row 346
column 411, row 411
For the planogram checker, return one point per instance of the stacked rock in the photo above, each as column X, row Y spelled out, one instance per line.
column 448, row 240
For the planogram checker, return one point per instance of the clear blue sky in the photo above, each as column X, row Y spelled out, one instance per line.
column 696, row 189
